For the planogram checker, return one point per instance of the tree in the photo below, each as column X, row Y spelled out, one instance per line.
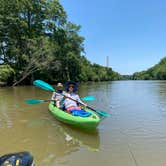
column 37, row 41
column 157, row 72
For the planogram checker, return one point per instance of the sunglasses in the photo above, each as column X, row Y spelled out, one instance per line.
column 71, row 86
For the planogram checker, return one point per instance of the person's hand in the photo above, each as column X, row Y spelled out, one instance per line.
column 65, row 96
column 85, row 104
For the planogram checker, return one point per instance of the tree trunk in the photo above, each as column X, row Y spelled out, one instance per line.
column 32, row 78
column 24, row 76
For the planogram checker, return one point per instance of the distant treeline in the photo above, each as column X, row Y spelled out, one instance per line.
column 157, row 72
column 38, row 42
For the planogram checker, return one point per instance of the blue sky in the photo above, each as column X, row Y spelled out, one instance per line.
column 132, row 33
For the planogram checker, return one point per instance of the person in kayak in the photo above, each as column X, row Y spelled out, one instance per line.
column 71, row 88
column 57, row 97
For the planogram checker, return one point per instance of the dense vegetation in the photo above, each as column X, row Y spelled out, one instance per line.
column 157, row 72
column 37, row 41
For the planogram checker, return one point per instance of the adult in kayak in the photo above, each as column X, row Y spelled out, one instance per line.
column 70, row 105
column 74, row 115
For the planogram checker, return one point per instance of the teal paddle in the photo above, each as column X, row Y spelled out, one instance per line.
column 43, row 85
column 31, row 101
column 46, row 86
column 35, row 101
column 101, row 113
column 38, row 101
column 88, row 98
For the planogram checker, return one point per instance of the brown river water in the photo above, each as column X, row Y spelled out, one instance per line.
column 133, row 135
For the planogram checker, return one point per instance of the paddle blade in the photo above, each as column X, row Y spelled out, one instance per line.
column 88, row 98
column 34, row 101
column 43, row 85
column 101, row 113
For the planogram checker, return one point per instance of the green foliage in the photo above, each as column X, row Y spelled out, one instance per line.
column 38, row 41
column 6, row 75
column 126, row 77
column 158, row 72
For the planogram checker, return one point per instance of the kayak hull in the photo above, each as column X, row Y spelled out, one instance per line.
column 90, row 122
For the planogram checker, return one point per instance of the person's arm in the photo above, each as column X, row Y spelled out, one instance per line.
column 53, row 96
column 80, row 101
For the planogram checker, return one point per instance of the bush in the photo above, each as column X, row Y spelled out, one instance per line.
column 6, row 75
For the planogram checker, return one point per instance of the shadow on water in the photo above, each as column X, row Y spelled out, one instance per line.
column 60, row 140
column 88, row 138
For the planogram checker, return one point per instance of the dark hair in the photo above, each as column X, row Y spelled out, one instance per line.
column 71, row 82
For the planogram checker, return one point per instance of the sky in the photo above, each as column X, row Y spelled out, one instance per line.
column 131, row 32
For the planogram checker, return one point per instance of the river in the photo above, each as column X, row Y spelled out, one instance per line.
column 133, row 135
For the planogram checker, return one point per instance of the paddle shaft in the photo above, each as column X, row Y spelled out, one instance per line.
column 101, row 113
column 69, row 98
column 77, row 101
column 46, row 86
column 48, row 100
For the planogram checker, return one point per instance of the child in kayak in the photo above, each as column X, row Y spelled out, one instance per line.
column 71, row 88
column 57, row 97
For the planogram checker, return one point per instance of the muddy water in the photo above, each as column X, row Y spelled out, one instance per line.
column 134, row 134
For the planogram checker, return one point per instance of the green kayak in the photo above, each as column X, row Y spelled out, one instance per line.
column 90, row 122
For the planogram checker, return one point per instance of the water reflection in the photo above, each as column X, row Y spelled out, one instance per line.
column 89, row 139
column 160, row 95
column 60, row 140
